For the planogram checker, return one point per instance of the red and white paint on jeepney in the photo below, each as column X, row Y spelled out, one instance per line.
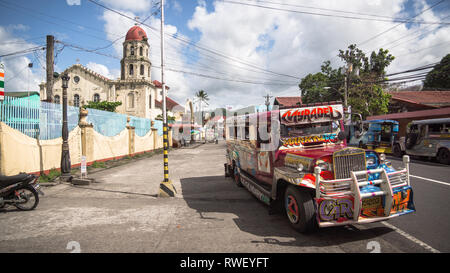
column 309, row 114
column 263, row 162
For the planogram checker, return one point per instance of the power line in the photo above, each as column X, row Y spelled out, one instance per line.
column 25, row 51
column 408, row 21
column 212, row 51
column 334, row 15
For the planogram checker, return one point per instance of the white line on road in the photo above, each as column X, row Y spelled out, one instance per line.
column 431, row 180
column 410, row 237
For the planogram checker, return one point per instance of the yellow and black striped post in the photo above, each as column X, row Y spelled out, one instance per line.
column 166, row 189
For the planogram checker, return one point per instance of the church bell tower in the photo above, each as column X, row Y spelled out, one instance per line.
column 135, row 63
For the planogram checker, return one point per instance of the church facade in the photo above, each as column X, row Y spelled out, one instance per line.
column 140, row 96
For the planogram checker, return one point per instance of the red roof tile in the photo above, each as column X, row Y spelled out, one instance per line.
column 170, row 103
column 415, row 114
column 431, row 98
column 159, row 84
column 288, row 101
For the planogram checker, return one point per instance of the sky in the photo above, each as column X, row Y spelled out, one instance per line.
column 236, row 53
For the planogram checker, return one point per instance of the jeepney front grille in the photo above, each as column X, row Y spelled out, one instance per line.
column 347, row 160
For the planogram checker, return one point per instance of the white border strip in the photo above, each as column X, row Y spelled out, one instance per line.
column 431, row 180
column 410, row 237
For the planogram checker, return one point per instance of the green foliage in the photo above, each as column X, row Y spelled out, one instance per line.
column 53, row 173
column 169, row 118
column 103, row 105
column 98, row 164
column 202, row 95
column 439, row 77
column 365, row 93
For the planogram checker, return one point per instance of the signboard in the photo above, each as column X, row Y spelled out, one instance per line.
column 311, row 114
column 83, row 166
column 2, row 82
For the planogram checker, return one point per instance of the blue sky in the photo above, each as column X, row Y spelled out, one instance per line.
column 277, row 41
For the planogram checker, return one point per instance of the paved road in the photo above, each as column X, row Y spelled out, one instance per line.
column 120, row 213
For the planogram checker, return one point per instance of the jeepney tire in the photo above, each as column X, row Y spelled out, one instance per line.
column 444, row 156
column 237, row 177
column 306, row 222
column 397, row 151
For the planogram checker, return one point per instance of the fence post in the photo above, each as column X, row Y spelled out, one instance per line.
column 155, row 134
column 131, row 132
column 87, row 137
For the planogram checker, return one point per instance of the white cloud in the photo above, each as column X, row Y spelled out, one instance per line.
column 73, row 2
column 18, row 76
column 288, row 43
column 129, row 5
column 103, row 70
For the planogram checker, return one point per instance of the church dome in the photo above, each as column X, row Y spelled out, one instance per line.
column 136, row 33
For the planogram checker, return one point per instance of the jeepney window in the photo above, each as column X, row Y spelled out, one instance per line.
column 309, row 129
column 247, row 129
column 446, row 128
column 436, row 128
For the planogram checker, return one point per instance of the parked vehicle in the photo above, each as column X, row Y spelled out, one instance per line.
column 378, row 135
column 311, row 173
column 430, row 138
column 21, row 191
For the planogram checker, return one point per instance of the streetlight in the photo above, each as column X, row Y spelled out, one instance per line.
column 65, row 154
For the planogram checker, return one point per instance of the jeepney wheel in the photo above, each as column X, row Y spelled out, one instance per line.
column 237, row 177
column 444, row 156
column 300, row 211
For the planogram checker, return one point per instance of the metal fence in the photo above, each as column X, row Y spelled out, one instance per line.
column 43, row 120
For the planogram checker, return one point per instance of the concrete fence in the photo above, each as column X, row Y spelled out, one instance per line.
column 21, row 153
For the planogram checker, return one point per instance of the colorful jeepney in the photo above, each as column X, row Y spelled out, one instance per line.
column 377, row 135
column 306, row 168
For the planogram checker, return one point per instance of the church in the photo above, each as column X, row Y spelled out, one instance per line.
column 140, row 96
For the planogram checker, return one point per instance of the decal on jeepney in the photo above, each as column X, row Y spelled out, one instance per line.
column 311, row 114
column 263, row 162
column 297, row 141
column 292, row 160
column 338, row 209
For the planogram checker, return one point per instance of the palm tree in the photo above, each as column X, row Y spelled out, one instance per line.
column 202, row 97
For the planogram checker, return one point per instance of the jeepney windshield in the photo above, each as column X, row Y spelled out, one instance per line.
column 307, row 129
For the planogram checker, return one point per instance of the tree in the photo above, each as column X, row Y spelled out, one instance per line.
column 365, row 91
column 103, row 105
column 439, row 77
column 202, row 96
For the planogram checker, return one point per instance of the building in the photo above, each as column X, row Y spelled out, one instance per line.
column 287, row 102
column 140, row 96
column 408, row 101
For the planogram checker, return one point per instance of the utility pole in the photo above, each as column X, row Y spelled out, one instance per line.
column 347, row 83
column 166, row 189
column 49, row 66
column 65, row 154
column 267, row 101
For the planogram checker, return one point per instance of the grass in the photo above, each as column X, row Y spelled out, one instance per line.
column 98, row 164
column 52, row 175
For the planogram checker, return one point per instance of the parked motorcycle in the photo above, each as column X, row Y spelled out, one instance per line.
column 21, row 191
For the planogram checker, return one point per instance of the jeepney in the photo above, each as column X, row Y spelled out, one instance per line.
column 309, row 172
column 378, row 135
column 429, row 138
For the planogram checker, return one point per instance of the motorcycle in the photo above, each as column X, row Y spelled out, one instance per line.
column 21, row 191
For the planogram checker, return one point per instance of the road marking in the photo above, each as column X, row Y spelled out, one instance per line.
column 410, row 237
column 431, row 180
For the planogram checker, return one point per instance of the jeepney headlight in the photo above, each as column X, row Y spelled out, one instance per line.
column 300, row 167
column 382, row 157
column 323, row 165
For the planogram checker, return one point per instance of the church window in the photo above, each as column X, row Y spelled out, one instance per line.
column 150, row 102
column 96, row 97
column 132, row 50
column 76, row 100
column 142, row 70
column 130, row 100
column 146, row 52
column 57, row 99
column 131, row 69
column 149, row 71
column 141, row 51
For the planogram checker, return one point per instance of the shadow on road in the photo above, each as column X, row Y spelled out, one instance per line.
column 220, row 195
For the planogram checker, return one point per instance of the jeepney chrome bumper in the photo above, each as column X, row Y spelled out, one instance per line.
column 357, row 200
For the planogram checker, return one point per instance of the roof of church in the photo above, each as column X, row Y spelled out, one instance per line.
column 170, row 104
column 135, row 33
column 159, row 84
